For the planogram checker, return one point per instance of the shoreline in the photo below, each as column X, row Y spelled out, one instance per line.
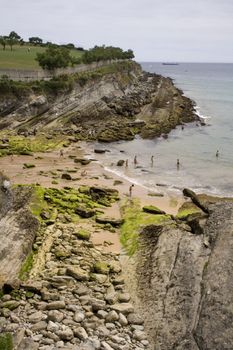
column 47, row 164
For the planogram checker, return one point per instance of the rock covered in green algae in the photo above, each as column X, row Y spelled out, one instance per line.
column 101, row 267
column 83, row 234
column 153, row 209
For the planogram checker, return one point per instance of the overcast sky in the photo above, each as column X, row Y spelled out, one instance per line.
column 156, row 30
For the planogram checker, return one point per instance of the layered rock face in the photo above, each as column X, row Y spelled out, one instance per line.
column 185, row 283
column 18, row 228
column 108, row 107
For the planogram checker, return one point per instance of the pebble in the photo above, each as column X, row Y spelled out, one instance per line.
column 69, row 314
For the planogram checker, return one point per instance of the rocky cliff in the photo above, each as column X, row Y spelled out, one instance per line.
column 18, row 229
column 184, row 282
column 111, row 103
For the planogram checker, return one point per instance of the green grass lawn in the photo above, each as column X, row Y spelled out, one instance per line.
column 21, row 58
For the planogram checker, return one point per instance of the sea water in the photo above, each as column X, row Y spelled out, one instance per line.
column 211, row 87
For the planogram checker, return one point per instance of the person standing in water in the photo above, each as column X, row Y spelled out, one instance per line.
column 178, row 164
column 217, row 153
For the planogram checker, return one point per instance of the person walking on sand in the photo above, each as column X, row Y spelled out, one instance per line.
column 130, row 190
column 217, row 153
column 152, row 160
column 135, row 160
column 126, row 163
column 178, row 164
column 61, row 153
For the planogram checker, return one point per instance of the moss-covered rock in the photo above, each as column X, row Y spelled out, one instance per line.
column 11, row 304
column 101, row 267
column 61, row 253
column 188, row 210
column 152, row 210
column 83, row 234
column 26, row 266
column 134, row 221
column 28, row 145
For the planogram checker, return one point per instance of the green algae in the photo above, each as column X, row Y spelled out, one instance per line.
column 152, row 209
column 37, row 203
column 187, row 209
column 101, row 267
column 134, row 220
column 29, row 145
column 6, row 341
column 26, row 266
column 83, row 234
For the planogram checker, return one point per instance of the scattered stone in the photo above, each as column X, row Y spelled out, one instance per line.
column 79, row 316
column 39, row 326
column 36, row 317
column 81, row 333
column 133, row 318
column 99, row 150
column 55, row 305
column 84, row 212
column 112, row 221
column 78, row 273
column 101, row 267
column 66, row 176
column 124, row 308
column 98, row 304
column 65, row 334
column 122, row 319
column 111, row 295
column 120, row 162
column 112, row 316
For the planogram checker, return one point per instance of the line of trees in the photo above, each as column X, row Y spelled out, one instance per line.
column 15, row 39
column 103, row 53
column 60, row 57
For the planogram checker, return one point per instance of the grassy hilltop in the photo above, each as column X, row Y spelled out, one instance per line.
column 22, row 58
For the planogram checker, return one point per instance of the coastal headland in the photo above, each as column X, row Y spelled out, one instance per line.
column 87, row 263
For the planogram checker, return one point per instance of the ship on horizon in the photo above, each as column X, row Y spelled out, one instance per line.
column 170, row 63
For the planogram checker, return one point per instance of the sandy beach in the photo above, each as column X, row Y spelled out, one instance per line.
column 49, row 168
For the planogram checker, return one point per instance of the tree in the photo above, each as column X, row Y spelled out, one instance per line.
column 35, row 40
column 69, row 46
column 11, row 42
column 129, row 54
column 3, row 41
column 14, row 35
column 54, row 57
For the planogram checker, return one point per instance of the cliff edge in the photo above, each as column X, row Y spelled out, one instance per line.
column 112, row 103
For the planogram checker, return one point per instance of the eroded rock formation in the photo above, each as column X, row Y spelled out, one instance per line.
column 108, row 107
column 185, row 283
